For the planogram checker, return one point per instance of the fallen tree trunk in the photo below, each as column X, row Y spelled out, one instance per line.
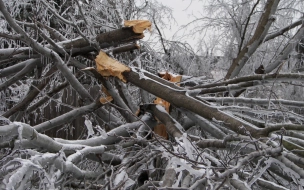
column 180, row 98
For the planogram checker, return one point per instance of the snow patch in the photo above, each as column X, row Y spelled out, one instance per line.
column 89, row 126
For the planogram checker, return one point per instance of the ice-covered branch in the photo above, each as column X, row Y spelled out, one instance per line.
column 284, row 77
column 113, row 136
column 253, row 101
column 180, row 99
column 31, row 65
column 22, row 105
column 47, row 96
column 257, row 39
column 67, row 117
column 286, row 51
column 283, row 30
column 243, row 161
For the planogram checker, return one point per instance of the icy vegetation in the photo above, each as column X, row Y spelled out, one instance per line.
column 87, row 102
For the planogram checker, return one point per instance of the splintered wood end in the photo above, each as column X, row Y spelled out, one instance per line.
column 170, row 76
column 138, row 26
column 107, row 66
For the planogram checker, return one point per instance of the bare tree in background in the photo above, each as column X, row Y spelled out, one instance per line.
column 81, row 67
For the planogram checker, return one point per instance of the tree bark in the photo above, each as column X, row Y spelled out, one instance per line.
column 258, row 37
column 179, row 98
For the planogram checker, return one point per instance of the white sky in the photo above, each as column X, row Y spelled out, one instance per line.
column 183, row 11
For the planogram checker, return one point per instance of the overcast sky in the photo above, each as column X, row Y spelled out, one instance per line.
column 182, row 12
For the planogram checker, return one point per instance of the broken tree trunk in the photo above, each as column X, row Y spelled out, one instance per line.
column 173, row 94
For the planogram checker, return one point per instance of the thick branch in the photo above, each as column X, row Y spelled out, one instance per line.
column 48, row 53
column 22, row 105
column 14, row 68
column 172, row 126
column 126, row 48
column 283, row 30
column 283, row 56
column 26, row 69
column 113, row 136
column 51, row 93
column 247, row 24
column 180, row 99
column 262, row 28
column 67, row 117
column 288, row 77
column 253, row 101
column 205, row 125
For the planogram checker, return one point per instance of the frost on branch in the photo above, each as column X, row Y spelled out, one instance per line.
column 192, row 137
column 107, row 66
